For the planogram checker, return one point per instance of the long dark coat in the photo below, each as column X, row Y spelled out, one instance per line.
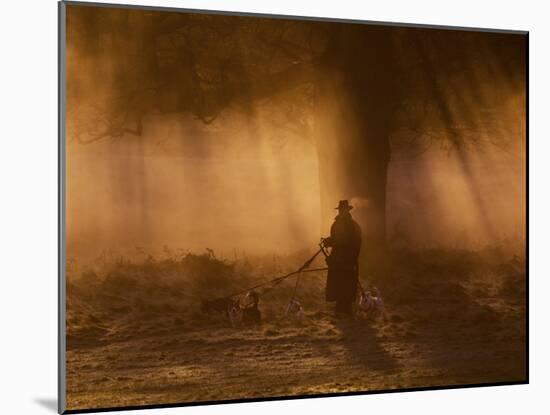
column 343, row 269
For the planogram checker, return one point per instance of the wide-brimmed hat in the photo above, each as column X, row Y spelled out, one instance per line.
column 343, row 204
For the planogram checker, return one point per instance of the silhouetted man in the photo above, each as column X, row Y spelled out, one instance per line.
column 343, row 269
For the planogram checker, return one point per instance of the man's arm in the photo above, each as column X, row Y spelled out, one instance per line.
column 328, row 242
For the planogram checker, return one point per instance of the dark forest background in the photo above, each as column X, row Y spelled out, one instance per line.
column 346, row 104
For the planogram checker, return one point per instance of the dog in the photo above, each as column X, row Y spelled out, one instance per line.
column 295, row 310
column 227, row 306
column 250, row 313
column 371, row 304
column 234, row 311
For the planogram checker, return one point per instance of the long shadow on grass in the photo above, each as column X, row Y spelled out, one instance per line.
column 462, row 338
column 363, row 348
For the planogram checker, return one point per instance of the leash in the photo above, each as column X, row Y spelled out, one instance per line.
column 276, row 281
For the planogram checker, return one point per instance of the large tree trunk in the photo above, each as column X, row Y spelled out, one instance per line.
column 353, row 164
column 356, row 102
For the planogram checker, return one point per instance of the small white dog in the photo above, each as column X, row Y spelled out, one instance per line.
column 371, row 304
column 294, row 310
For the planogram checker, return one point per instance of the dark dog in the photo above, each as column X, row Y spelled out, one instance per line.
column 219, row 305
column 237, row 314
column 251, row 315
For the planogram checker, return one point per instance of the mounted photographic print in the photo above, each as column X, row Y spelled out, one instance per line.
column 258, row 207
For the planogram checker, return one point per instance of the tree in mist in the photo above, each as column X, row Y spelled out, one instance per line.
column 348, row 87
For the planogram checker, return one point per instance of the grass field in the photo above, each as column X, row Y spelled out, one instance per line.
column 135, row 334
